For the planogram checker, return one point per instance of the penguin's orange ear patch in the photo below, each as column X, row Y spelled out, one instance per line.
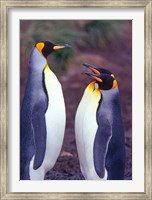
column 113, row 75
column 114, row 84
column 40, row 46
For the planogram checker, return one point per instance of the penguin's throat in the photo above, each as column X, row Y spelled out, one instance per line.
column 92, row 90
column 93, row 86
column 47, row 68
column 96, row 86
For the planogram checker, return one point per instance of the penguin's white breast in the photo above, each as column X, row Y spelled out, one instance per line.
column 55, row 118
column 85, row 130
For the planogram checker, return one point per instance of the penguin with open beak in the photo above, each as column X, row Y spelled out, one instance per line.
column 42, row 117
column 99, row 129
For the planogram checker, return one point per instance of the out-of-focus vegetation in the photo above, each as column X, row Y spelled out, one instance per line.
column 80, row 34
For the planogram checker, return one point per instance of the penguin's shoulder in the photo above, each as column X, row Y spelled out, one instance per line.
column 109, row 103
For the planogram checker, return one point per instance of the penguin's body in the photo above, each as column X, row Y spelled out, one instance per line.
column 110, row 123
column 85, row 128
column 99, row 133
column 42, row 120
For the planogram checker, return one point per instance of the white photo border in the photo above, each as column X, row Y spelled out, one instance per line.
column 137, row 17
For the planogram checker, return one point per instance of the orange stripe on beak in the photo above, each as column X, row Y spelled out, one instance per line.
column 58, row 47
column 96, row 78
column 94, row 70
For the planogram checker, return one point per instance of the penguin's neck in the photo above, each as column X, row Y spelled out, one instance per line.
column 109, row 96
column 37, row 63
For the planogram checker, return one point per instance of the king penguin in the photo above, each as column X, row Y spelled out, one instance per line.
column 42, row 117
column 99, row 128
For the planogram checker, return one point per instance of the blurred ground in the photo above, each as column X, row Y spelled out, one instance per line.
column 115, row 56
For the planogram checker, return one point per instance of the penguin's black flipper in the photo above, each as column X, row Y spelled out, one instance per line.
column 103, row 135
column 39, row 133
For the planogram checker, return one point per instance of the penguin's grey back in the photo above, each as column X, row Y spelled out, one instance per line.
column 110, row 110
column 34, row 92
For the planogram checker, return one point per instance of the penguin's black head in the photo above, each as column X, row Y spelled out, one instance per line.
column 46, row 47
column 105, row 79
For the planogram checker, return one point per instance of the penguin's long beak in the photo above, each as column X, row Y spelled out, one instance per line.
column 61, row 46
column 95, row 76
column 92, row 68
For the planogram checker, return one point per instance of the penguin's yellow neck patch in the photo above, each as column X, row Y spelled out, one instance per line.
column 47, row 69
column 48, row 78
column 40, row 46
column 91, row 86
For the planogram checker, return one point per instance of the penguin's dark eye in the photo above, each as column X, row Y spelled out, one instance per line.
column 47, row 49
